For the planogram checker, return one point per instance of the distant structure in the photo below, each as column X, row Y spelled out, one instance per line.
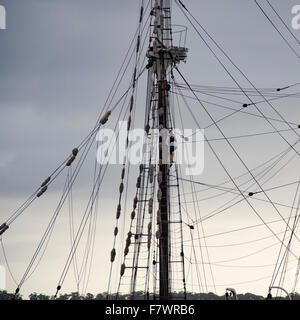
column 2, row 278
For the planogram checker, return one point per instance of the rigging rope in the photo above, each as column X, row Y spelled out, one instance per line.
column 229, row 175
column 229, row 73
column 277, row 30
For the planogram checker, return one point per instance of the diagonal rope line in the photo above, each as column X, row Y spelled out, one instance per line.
column 235, row 152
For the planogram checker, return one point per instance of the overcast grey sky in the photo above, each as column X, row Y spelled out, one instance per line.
column 58, row 60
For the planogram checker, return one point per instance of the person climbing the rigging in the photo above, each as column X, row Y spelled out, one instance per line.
column 172, row 147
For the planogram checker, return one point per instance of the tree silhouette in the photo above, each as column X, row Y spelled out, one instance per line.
column 4, row 295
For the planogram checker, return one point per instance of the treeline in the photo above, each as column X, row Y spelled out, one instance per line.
column 4, row 295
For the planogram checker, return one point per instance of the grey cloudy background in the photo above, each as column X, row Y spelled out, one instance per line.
column 58, row 60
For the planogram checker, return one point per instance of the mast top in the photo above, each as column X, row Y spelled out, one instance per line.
column 163, row 41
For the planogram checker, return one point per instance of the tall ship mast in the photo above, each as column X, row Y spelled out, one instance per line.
column 171, row 229
column 154, row 183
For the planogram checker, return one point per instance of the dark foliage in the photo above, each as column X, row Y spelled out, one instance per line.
column 4, row 295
